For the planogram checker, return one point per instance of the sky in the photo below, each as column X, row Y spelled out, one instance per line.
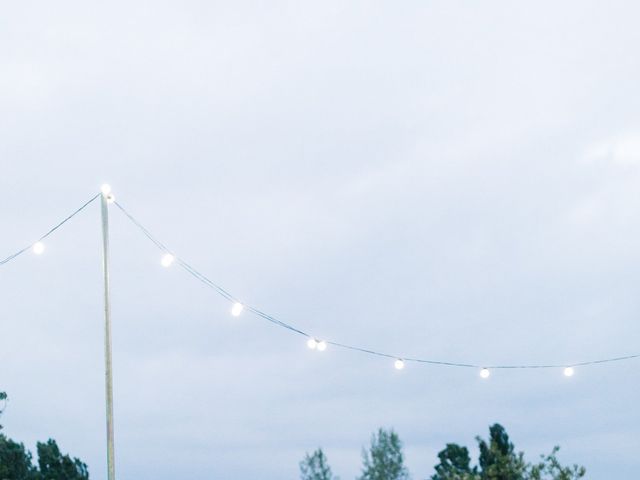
column 457, row 181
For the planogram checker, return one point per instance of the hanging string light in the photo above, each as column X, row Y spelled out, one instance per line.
column 238, row 307
column 38, row 248
column 105, row 189
column 167, row 260
column 315, row 344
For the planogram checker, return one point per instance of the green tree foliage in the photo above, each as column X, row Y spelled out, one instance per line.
column 384, row 460
column 455, row 464
column 3, row 399
column 15, row 461
column 549, row 468
column 55, row 466
column 499, row 461
column 316, row 467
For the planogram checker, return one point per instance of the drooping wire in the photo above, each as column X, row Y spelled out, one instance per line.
column 202, row 278
column 228, row 296
column 20, row 252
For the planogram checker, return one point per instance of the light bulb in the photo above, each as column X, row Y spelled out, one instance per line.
column 167, row 260
column 399, row 364
column 322, row 346
column 38, row 248
column 568, row 372
column 312, row 343
column 105, row 189
column 237, row 308
column 484, row 373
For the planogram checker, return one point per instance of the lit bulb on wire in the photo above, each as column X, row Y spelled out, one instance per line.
column 38, row 248
column 167, row 260
column 485, row 373
column 568, row 372
column 237, row 309
column 105, row 189
column 319, row 345
column 399, row 364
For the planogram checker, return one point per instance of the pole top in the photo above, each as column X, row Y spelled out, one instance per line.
column 107, row 194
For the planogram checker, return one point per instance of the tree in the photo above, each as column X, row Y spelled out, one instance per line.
column 455, row 464
column 499, row 461
column 15, row 461
column 384, row 460
column 316, row 467
column 55, row 466
column 3, row 399
column 549, row 468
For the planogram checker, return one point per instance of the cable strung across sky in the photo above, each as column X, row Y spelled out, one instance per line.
column 168, row 258
column 38, row 245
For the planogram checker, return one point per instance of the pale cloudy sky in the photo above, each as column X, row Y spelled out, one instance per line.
column 451, row 180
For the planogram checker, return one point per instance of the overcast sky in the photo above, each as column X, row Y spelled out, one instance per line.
column 451, row 180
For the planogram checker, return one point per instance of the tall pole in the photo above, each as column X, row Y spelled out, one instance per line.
column 111, row 472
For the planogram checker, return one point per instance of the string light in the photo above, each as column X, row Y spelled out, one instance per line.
column 15, row 255
column 38, row 248
column 321, row 345
column 237, row 308
column 315, row 344
column 167, row 260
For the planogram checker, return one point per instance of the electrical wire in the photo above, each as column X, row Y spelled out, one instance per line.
column 228, row 296
column 265, row 316
column 202, row 278
column 20, row 252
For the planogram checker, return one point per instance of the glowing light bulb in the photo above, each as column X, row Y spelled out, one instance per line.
column 485, row 373
column 322, row 346
column 399, row 364
column 167, row 260
column 568, row 372
column 38, row 248
column 312, row 343
column 237, row 308
column 105, row 189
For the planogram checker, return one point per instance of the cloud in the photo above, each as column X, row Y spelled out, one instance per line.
column 622, row 150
